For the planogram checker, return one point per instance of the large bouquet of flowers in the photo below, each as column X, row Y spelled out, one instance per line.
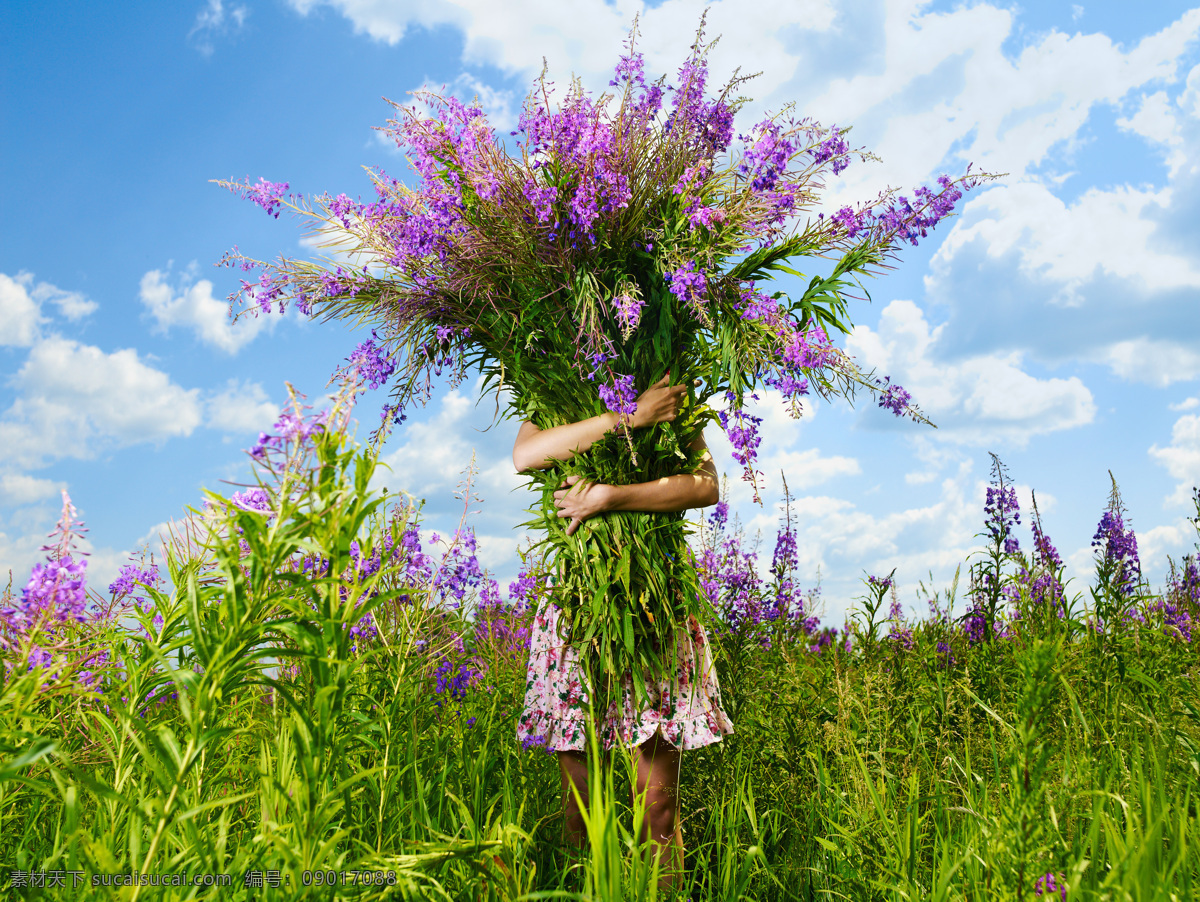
column 602, row 244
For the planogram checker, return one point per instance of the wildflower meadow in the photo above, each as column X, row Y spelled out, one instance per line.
column 307, row 695
column 303, row 700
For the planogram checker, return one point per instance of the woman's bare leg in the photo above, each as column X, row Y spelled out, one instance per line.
column 574, row 770
column 658, row 778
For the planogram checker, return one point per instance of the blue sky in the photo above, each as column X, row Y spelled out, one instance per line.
column 1055, row 322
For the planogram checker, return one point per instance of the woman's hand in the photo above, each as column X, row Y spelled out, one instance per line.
column 657, row 404
column 581, row 500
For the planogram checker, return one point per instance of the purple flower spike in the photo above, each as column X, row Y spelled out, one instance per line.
column 893, row 397
column 620, row 397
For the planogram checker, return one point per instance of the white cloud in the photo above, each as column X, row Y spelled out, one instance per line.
column 978, row 400
column 214, row 20
column 1181, row 458
column 74, row 398
column 196, row 308
column 1071, row 245
column 71, row 304
column 19, row 488
column 240, row 407
column 20, row 316
column 1186, row 404
column 21, row 303
column 1154, row 362
column 585, row 37
column 1156, row 121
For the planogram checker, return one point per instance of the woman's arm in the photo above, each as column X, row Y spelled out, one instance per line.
column 671, row 493
column 537, row 449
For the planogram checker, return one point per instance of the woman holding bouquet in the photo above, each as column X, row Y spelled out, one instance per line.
column 679, row 712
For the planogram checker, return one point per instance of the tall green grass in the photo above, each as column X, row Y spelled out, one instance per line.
column 254, row 734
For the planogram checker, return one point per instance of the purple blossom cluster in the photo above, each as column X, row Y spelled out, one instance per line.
column 833, row 148
column 370, row 365
column 893, row 397
column 689, row 285
column 256, row 499
column 293, row 427
column 460, row 570
column 54, row 598
column 1002, row 513
column 1116, row 549
column 1048, row 884
column 628, row 308
column 899, row 632
column 268, row 195
column 900, row 219
column 129, row 582
column 749, row 605
column 742, row 430
column 453, row 680
column 619, row 397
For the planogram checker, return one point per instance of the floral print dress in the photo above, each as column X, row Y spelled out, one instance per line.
column 687, row 710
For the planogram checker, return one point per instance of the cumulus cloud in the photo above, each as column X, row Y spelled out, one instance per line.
column 1181, row 458
column 584, row 37
column 240, row 407
column 1111, row 276
column 21, row 301
column 947, row 88
column 978, row 400
column 74, row 399
column 194, row 307
column 20, row 488
column 20, row 316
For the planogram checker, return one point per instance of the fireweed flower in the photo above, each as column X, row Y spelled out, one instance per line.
column 619, row 397
column 369, row 364
column 1048, row 884
column 893, row 397
column 1116, row 545
column 268, row 195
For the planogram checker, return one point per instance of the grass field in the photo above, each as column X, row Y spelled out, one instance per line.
column 314, row 706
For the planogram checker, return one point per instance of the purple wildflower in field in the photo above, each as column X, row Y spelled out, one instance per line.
column 459, row 570
column 453, row 681
column 619, row 397
column 292, row 426
column 975, row 625
column 945, row 654
column 719, row 515
column 1002, row 512
column 536, row 742
column 55, row 593
column 131, row 577
column 1049, row 884
column 129, row 582
column 1116, row 547
column 879, row 583
column 256, row 500
column 503, row 626
column 899, row 632
column 369, row 364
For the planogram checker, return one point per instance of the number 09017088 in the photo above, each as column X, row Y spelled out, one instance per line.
column 348, row 878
